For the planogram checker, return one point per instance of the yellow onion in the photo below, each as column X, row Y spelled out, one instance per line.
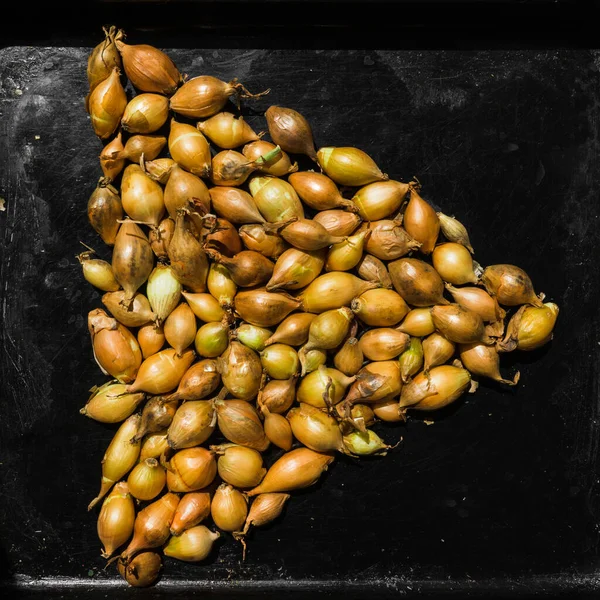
column 278, row 395
column 333, row 290
column 110, row 163
column 240, row 466
column 510, row 285
column 275, row 198
column 319, row 191
column 388, row 239
column 345, row 255
column 192, row 424
column 263, row 308
column 205, row 306
column 458, row 324
column 212, row 339
column 421, row 221
column 188, row 262
column 412, row 359
column 349, row 166
column 252, row 336
column 296, row 469
column 227, row 130
column 140, row 147
column 229, row 508
column 221, row 285
column 141, row 196
column 163, row 291
column 349, row 358
column 417, row 282
column 192, row 509
column 437, row 350
column 106, row 103
column 190, row 469
column 389, row 411
column 380, row 199
column 296, row 268
column 290, row 129
column 323, row 382
column 280, row 361
column 417, row 322
column 308, row 235
column 192, row 545
column 235, row 205
column 314, row 428
column 247, row 268
column 145, row 113
column 383, row 343
column 454, row 231
column 120, row 457
column 115, row 348
column 241, row 369
column 337, row 221
column 454, row 263
column 205, row 95
column 159, row 169
column 231, row 168
column 264, row 239
column 151, row 527
column 105, row 211
column 439, row 387
column 380, row 307
column 240, row 423
column 371, row 268
column 98, row 272
column 530, row 327
column 293, row 330
column 199, row 381
column 268, row 158
column 147, row 479
column 160, row 238
column 139, row 312
column 484, row 361
column 110, row 404
column 162, row 372
column 222, row 235
column 328, row 329
column 154, row 445
column 151, row 339
column 180, row 327
column 311, row 360
column 149, row 69
column 104, row 57
column 116, row 518
column 264, row 509
column 365, row 443
column 132, row 258
column 181, row 187
column 189, row 148
column 277, row 429
column 376, row 381
column 143, row 570
column 358, row 418
column 156, row 415
column 479, row 301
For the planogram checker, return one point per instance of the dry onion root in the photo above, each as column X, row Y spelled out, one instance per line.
column 287, row 309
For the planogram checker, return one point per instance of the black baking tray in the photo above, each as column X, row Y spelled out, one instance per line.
column 495, row 111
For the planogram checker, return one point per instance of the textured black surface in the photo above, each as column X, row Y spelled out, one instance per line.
column 499, row 496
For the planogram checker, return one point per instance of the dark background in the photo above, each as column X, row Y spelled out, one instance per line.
column 496, row 111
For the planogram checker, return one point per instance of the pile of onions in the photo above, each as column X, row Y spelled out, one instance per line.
column 265, row 303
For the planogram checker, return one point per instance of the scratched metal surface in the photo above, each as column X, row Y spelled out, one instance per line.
column 500, row 493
